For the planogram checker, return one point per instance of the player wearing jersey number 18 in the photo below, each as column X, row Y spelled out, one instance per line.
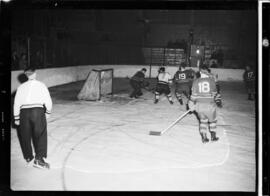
column 202, row 101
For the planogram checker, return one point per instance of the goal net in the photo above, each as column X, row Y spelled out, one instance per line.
column 99, row 82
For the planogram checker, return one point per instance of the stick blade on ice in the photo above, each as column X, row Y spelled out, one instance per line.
column 157, row 133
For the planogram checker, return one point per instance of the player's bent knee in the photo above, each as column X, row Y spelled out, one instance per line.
column 213, row 125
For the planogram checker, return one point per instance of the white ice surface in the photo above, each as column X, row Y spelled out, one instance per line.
column 106, row 145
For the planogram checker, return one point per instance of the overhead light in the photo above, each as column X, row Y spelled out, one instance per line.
column 198, row 51
column 6, row 1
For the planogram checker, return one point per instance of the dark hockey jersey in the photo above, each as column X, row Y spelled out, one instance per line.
column 204, row 90
column 181, row 77
column 190, row 74
column 249, row 76
column 139, row 76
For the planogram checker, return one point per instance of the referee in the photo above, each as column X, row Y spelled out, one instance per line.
column 32, row 107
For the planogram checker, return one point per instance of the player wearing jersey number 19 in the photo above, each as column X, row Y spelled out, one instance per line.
column 202, row 101
column 182, row 84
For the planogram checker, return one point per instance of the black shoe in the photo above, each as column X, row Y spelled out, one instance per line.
column 29, row 160
column 180, row 101
column 214, row 138
column 40, row 163
column 156, row 101
column 171, row 102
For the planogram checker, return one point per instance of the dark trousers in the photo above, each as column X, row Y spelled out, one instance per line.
column 136, row 88
column 163, row 88
column 33, row 127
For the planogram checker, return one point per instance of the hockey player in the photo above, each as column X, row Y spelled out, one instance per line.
column 164, row 80
column 182, row 80
column 202, row 101
column 218, row 99
column 137, row 82
column 191, row 74
column 249, row 80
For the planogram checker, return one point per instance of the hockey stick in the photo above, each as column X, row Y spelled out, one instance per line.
column 157, row 133
column 225, row 125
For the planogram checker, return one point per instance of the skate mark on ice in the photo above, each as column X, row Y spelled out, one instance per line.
column 147, row 169
column 67, row 157
column 75, row 146
column 65, row 115
column 191, row 167
column 61, row 142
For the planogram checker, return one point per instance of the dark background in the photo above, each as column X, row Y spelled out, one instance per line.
column 68, row 36
column 266, row 97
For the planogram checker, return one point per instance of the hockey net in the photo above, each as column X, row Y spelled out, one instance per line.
column 98, row 83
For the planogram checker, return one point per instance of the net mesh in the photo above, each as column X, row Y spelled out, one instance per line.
column 106, row 82
column 97, row 84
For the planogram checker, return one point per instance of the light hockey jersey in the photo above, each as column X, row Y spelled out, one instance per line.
column 32, row 94
column 204, row 90
column 164, row 78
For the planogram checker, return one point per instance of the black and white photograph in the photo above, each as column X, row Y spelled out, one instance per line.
column 134, row 97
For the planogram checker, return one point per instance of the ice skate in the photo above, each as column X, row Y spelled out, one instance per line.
column 40, row 163
column 213, row 136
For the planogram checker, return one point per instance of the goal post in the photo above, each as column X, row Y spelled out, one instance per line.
column 98, row 83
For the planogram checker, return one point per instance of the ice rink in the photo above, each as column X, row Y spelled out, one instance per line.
column 106, row 146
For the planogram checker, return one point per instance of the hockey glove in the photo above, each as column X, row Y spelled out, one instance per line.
column 192, row 106
column 218, row 100
column 219, row 104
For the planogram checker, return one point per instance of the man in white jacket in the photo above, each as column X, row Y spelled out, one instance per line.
column 32, row 107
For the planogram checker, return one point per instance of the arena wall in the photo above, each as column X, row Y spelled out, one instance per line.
column 57, row 76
